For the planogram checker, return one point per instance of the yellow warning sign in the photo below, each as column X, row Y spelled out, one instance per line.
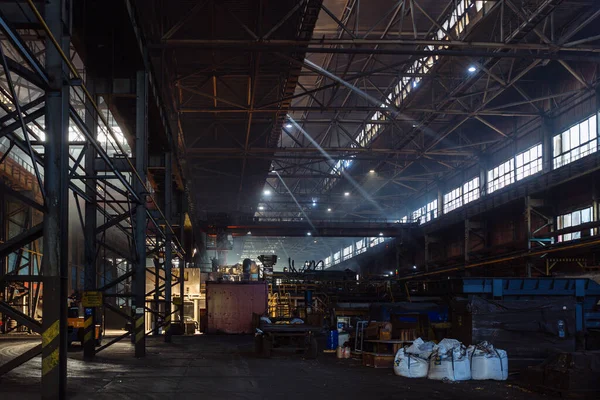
column 91, row 299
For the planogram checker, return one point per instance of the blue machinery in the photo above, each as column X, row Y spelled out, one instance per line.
column 585, row 291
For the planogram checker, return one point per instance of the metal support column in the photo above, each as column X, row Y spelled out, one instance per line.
column 56, row 166
column 528, row 224
column 183, row 259
column 168, row 247
column 156, row 300
column 141, row 155
column 90, row 314
column 467, row 250
column 3, row 263
column 547, row 143
column 427, row 243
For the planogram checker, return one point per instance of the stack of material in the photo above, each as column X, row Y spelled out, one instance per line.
column 572, row 374
column 378, row 330
column 413, row 361
column 450, row 360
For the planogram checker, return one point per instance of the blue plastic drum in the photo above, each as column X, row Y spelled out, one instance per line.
column 332, row 340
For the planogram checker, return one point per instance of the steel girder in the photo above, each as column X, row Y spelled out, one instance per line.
column 110, row 195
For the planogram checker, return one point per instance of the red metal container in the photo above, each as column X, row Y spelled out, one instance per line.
column 231, row 305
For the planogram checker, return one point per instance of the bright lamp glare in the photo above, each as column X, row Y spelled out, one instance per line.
column 329, row 210
column 346, row 194
column 261, row 208
column 267, row 192
column 308, row 234
column 288, row 126
column 372, row 171
column 472, row 69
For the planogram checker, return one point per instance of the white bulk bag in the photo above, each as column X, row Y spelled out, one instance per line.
column 450, row 360
column 489, row 363
column 410, row 365
column 421, row 348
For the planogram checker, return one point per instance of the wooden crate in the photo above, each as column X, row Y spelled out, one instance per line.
column 378, row 360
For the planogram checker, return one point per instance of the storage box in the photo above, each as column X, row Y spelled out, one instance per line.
column 378, row 360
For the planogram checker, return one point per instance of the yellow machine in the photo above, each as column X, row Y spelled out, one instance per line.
column 76, row 328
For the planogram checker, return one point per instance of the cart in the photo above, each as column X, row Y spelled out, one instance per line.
column 293, row 337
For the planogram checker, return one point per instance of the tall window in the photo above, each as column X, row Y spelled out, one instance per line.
column 529, row 162
column 347, row 253
column 361, row 246
column 501, row 176
column 453, row 199
column 463, row 194
column 576, row 142
column 427, row 212
column 374, row 241
column 471, row 190
column 573, row 219
column 337, row 257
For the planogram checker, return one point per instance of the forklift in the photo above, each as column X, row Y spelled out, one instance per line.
column 75, row 323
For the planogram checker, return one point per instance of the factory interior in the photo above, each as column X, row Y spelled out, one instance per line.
column 328, row 199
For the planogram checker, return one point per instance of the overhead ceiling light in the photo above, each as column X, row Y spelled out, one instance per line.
column 329, row 210
column 249, row 233
column 267, row 192
column 346, row 194
column 288, row 125
column 315, row 241
column 372, row 171
column 414, row 125
column 414, row 267
column 415, row 83
column 380, row 233
column 308, row 234
column 472, row 68
column 261, row 208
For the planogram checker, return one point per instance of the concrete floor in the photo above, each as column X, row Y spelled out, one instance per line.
column 225, row 367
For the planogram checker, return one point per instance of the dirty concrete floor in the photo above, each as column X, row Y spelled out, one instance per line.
column 225, row 367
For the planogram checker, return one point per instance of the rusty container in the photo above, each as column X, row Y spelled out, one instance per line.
column 230, row 305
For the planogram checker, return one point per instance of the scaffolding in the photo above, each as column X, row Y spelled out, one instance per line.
column 69, row 180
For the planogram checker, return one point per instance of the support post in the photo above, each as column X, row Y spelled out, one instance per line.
column 528, row 263
column 483, row 178
column 156, row 303
column 427, row 243
column 168, row 247
column 141, row 155
column 547, row 143
column 3, row 264
column 56, row 166
column 182, row 260
column 467, row 241
column 90, row 314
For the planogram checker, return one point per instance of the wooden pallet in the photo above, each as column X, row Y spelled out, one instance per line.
column 377, row 360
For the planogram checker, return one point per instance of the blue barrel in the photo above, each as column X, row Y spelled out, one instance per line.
column 332, row 339
column 308, row 298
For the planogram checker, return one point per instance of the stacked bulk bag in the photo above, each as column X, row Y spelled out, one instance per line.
column 450, row 360
column 413, row 361
column 488, row 362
